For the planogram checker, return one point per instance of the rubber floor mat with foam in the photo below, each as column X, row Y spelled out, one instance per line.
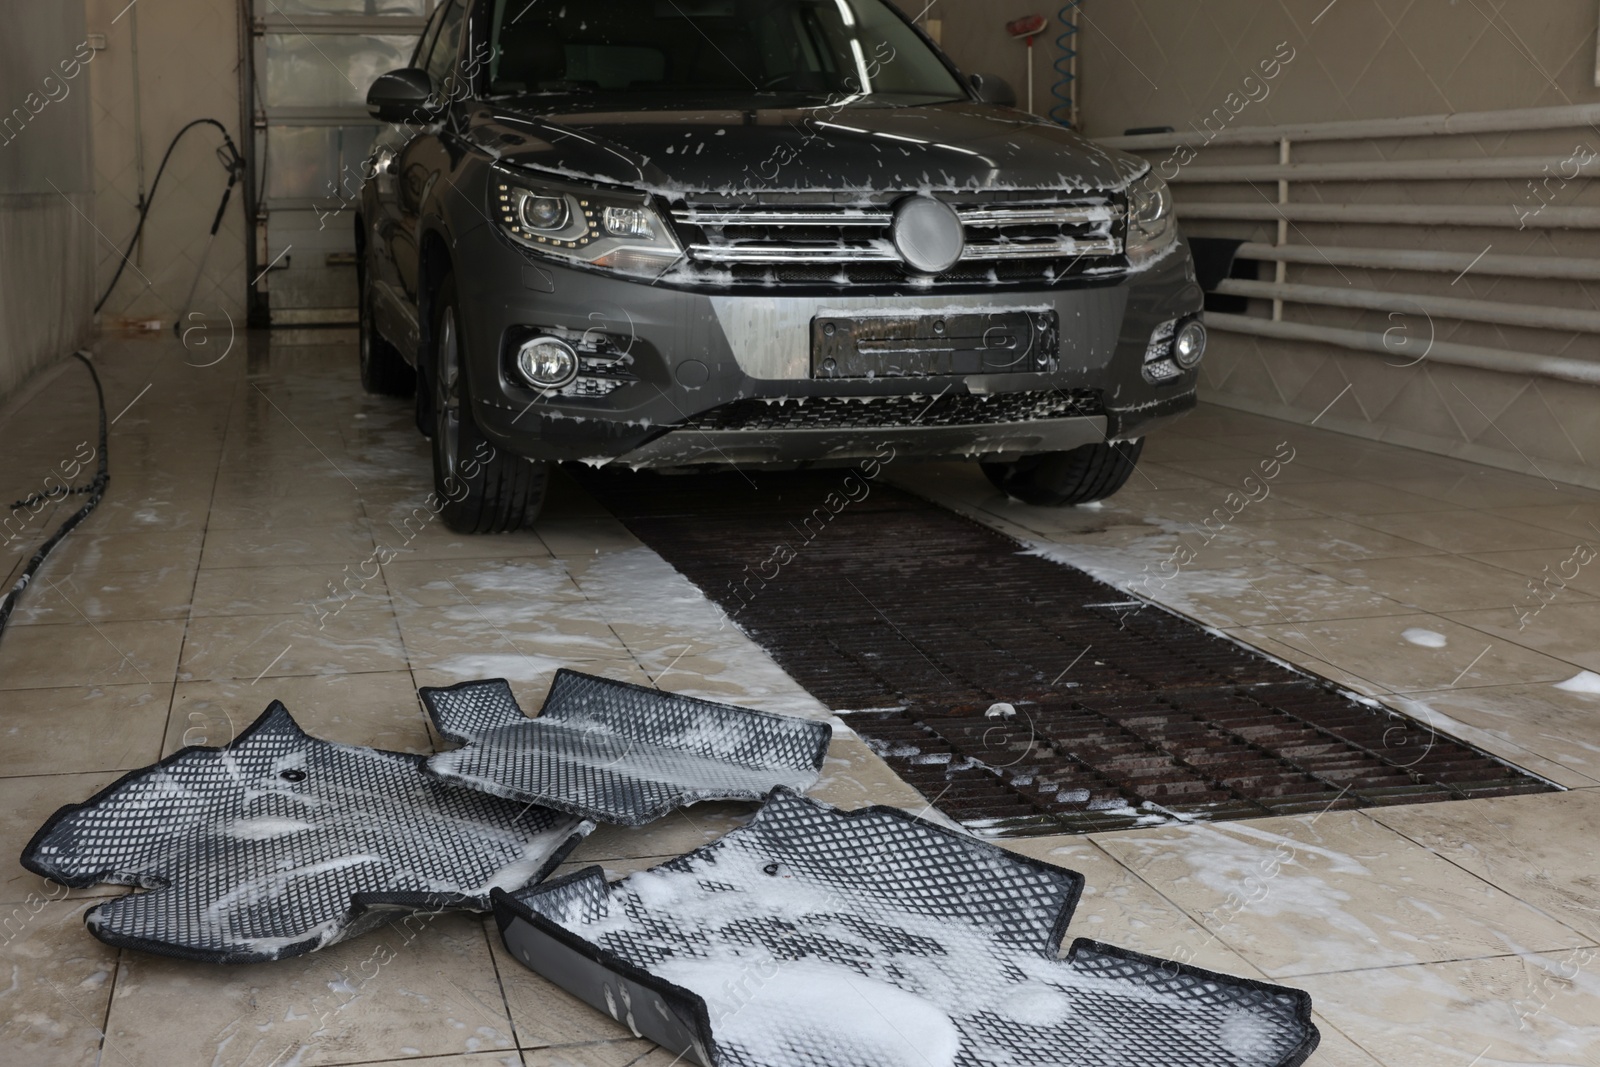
column 618, row 752
column 278, row 844
column 819, row 938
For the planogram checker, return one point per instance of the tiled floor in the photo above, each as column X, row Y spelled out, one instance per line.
column 235, row 561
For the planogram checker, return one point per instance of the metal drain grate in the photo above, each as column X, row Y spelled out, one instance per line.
column 919, row 621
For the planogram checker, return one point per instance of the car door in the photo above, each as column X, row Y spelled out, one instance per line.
column 395, row 312
column 423, row 160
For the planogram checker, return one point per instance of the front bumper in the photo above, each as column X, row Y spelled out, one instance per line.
column 690, row 355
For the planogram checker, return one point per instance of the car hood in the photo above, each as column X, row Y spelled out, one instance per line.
column 958, row 146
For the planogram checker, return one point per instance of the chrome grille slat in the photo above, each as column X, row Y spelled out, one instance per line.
column 791, row 254
column 781, row 218
column 788, row 240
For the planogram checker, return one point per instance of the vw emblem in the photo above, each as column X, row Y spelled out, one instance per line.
column 928, row 234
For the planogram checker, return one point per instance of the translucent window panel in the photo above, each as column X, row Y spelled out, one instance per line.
column 329, row 70
column 316, row 162
column 412, row 8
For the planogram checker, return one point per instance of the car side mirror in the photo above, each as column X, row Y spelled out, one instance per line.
column 993, row 89
column 404, row 95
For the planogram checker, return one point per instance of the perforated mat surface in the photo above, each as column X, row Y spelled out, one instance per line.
column 818, row 938
column 278, row 844
column 617, row 752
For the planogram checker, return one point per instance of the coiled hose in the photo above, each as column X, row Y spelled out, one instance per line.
column 1062, row 90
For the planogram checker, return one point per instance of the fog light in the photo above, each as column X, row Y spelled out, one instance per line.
column 547, row 362
column 1190, row 345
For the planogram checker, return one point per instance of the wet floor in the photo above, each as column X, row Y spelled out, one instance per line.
column 262, row 540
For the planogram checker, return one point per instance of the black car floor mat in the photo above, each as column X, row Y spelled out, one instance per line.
column 278, row 844
column 617, row 752
column 819, row 938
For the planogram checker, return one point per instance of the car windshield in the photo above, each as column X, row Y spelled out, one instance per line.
column 655, row 49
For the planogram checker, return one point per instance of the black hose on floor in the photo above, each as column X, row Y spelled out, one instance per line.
column 96, row 490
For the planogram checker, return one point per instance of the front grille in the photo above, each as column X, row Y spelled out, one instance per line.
column 1008, row 242
column 888, row 412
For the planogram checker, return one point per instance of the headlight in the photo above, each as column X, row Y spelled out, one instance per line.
column 615, row 230
column 1152, row 228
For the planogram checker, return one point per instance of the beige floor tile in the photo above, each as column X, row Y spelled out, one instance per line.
column 254, row 547
column 1355, row 498
column 25, row 804
column 1277, row 592
column 1377, row 649
column 58, row 982
column 417, row 987
column 255, row 646
column 1578, row 520
column 102, row 596
column 422, row 539
column 561, row 632
column 681, row 831
column 1195, row 505
column 1233, row 471
column 1335, row 1049
column 1543, row 850
column 1563, row 630
column 1310, row 894
column 330, row 505
column 81, row 728
column 1436, row 583
column 512, row 1058
column 1558, row 576
column 1392, row 463
column 531, row 582
column 290, row 589
column 1323, row 538
column 1259, row 639
column 1508, row 1011
column 854, row 777
column 1465, row 531
column 266, row 448
column 98, row 653
column 1486, row 488
column 266, row 488
column 124, row 508
column 1119, row 908
column 606, row 1054
column 1148, row 477
column 745, row 677
column 379, row 710
column 1447, row 713
column 1557, row 724
column 584, row 538
column 530, row 675
column 91, row 551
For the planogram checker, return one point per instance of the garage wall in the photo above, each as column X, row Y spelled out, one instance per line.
column 163, row 65
column 1175, row 63
column 46, row 240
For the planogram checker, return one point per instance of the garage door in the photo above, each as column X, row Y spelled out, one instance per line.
column 314, row 60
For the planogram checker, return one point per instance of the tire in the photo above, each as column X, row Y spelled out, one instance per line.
column 1059, row 479
column 384, row 371
column 481, row 488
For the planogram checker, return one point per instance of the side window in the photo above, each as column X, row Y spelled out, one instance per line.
column 442, row 60
column 429, row 33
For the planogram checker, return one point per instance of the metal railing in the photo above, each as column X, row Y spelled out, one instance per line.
column 1254, row 204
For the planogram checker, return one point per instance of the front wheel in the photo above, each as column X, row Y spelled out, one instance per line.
column 482, row 489
column 1058, row 479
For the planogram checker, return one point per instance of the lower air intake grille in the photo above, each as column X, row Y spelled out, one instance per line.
column 835, row 412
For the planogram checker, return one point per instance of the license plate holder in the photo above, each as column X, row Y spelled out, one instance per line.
column 928, row 345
